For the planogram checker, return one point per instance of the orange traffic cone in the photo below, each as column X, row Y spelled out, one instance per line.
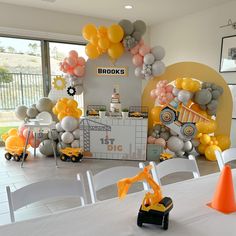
column 223, row 199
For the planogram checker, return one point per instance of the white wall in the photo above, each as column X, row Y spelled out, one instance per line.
column 197, row 37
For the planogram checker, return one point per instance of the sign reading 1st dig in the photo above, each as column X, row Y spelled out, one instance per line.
column 119, row 140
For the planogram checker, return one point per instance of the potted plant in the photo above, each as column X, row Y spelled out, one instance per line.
column 102, row 112
column 125, row 113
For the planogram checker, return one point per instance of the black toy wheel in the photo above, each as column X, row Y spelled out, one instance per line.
column 167, row 116
column 80, row 157
column 63, row 157
column 8, row 156
column 165, row 222
column 74, row 159
column 139, row 221
column 188, row 130
column 16, row 158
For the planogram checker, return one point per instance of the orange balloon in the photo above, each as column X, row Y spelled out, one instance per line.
column 102, row 31
column 15, row 141
column 195, row 107
column 60, row 106
column 12, row 132
column 63, row 100
column 72, row 103
column 54, row 110
column 116, row 50
column 94, row 40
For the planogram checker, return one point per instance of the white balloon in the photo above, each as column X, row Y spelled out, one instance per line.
column 158, row 52
column 175, row 91
column 184, row 96
column 76, row 133
column 188, row 146
column 138, row 72
column 69, row 123
column 58, row 127
column 158, row 68
column 148, row 59
column 75, row 144
column 175, row 144
column 67, row 137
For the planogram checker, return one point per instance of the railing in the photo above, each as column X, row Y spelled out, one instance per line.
column 20, row 89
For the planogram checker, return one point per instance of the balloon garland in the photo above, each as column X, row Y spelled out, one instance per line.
column 201, row 101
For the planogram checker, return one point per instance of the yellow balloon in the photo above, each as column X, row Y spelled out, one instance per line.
column 54, row 110
column 60, row 106
column 116, row 50
column 91, row 51
column 187, row 84
column 61, row 115
column 64, row 100
column 94, row 40
column 206, row 127
column 115, row 33
column 72, row 103
column 210, row 152
column 205, row 139
column 201, row 148
column 155, row 114
column 178, row 83
column 79, row 112
column 196, row 86
column 12, row 132
column 102, row 31
column 88, row 31
column 103, row 43
column 223, row 142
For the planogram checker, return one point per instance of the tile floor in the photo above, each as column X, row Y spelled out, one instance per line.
column 41, row 168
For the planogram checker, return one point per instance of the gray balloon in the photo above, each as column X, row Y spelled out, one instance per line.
column 165, row 135
column 32, row 112
column 127, row 26
column 157, row 128
column 149, row 59
column 140, row 26
column 175, row 144
column 203, row 107
column 158, row 52
column 138, row 72
column 220, row 89
column 129, row 42
column 79, row 89
column 180, row 153
column 215, row 94
column 59, row 128
column 44, row 104
column 158, row 68
column 173, row 133
column 76, row 133
column 137, row 35
column 203, row 97
column 21, row 112
column 46, row 148
column 212, row 105
column 54, row 135
column 62, row 145
column 75, row 144
column 211, row 112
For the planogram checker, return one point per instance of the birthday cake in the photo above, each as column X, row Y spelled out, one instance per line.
column 115, row 105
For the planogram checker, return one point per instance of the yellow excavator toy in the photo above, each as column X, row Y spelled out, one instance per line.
column 155, row 208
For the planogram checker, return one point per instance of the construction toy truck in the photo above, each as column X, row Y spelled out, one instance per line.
column 71, row 154
column 155, row 208
column 181, row 119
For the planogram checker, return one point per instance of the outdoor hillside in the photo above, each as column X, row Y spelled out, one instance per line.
column 24, row 63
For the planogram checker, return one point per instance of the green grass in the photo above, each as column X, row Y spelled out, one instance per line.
column 5, row 129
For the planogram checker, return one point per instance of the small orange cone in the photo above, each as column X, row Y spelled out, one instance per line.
column 223, row 199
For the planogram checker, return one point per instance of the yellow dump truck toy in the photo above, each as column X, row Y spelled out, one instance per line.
column 71, row 154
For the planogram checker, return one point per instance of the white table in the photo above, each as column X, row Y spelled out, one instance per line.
column 190, row 216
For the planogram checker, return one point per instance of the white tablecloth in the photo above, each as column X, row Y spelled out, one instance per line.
column 190, row 216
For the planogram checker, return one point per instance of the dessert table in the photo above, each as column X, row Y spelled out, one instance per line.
column 190, row 215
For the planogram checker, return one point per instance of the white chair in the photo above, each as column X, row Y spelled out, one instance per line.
column 45, row 190
column 226, row 156
column 173, row 166
column 109, row 177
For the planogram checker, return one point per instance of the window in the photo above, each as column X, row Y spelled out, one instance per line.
column 26, row 69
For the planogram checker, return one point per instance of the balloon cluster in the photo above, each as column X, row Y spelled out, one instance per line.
column 148, row 61
column 102, row 40
column 163, row 92
column 73, row 64
column 66, row 107
column 207, row 97
column 44, row 105
column 133, row 32
column 159, row 136
column 208, row 143
column 201, row 98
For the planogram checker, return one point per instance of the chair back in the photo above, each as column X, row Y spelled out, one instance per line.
column 173, row 166
column 226, row 156
column 44, row 190
column 108, row 177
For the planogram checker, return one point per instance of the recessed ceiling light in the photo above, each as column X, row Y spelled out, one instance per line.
column 128, row 7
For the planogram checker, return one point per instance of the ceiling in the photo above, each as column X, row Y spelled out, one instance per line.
column 150, row 11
